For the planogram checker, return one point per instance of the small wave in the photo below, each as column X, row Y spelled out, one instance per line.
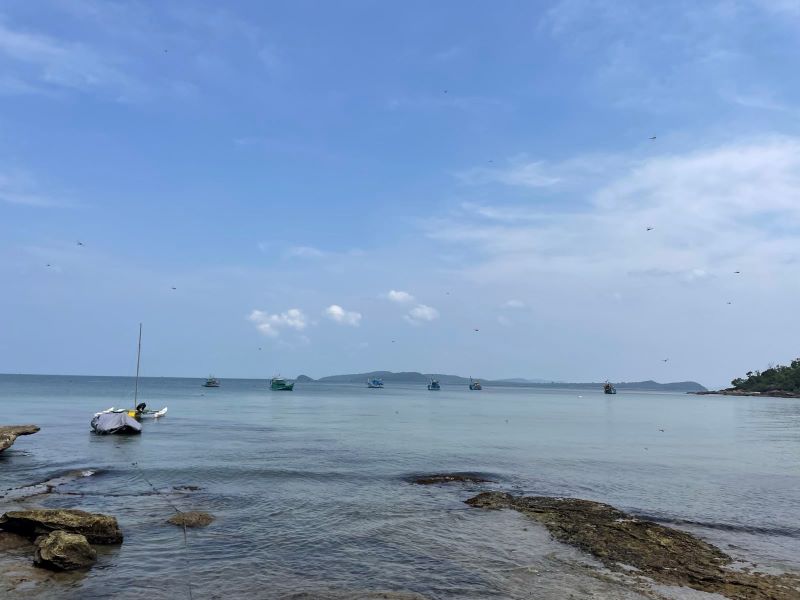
column 47, row 486
column 792, row 532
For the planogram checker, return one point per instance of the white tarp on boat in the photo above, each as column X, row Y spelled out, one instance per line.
column 115, row 423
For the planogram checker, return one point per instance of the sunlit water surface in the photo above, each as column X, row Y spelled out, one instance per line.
column 310, row 491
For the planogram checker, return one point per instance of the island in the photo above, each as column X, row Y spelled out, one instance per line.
column 779, row 381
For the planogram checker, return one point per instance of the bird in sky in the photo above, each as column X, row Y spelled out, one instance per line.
column 80, row 243
column 652, row 138
column 477, row 329
column 737, row 272
column 47, row 265
column 729, row 302
column 664, row 359
column 174, row 288
column 649, row 229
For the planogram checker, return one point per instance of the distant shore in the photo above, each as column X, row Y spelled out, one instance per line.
column 735, row 392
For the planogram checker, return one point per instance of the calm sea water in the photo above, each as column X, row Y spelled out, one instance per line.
column 310, row 494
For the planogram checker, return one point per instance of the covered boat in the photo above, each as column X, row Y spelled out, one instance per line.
column 115, row 422
column 609, row 389
column 434, row 385
column 375, row 383
column 474, row 384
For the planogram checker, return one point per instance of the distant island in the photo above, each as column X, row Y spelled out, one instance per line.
column 444, row 379
column 779, row 381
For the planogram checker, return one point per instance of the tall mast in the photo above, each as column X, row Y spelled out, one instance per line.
column 138, row 358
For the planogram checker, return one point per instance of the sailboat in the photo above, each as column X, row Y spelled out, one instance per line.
column 121, row 420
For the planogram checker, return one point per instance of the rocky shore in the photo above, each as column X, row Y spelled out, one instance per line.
column 735, row 392
column 10, row 433
column 626, row 544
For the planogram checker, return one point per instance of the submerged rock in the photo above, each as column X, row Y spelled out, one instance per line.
column 191, row 519
column 448, row 478
column 621, row 541
column 98, row 529
column 9, row 434
column 62, row 551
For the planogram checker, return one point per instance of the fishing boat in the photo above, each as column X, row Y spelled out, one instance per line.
column 474, row 384
column 211, row 382
column 609, row 389
column 434, row 385
column 123, row 420
column 375, row 383
column 279, row 384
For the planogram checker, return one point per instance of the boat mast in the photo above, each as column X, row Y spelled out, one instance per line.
column 138, row 358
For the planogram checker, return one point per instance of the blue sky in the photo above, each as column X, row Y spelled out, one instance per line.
column 338, row 187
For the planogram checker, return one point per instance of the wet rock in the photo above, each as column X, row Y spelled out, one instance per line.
column 621, row 541
column 62, row 551
column 448, row 478
column 9, row 434
column 191, row 519
column 97, row 528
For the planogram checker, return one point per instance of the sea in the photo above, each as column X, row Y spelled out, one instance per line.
column 312, row 495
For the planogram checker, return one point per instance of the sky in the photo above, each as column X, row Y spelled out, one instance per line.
column 569, row 190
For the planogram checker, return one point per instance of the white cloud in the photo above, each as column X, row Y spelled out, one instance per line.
column 421, row 313
column 345, row 317
column 303, row 252
column 18, row 188
column 43, row 63
column 712, row 209
column 514, row 304
column 520, row 173
column 504, row 321
column 400, row 297
column 270, row 325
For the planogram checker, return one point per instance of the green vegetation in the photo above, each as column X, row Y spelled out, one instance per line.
column 781, row 378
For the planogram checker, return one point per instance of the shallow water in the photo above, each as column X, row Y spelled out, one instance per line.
column 310, row 494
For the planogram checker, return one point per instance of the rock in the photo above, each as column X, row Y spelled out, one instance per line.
column 98, row 529
column 62, row 551
column 8, row 434
column 448, row 478
column 191, row 519
column 620, row 540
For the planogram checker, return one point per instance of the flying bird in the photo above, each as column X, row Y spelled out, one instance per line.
column 649, row 229
column 664, row 359
column 729, row 303
column 80, row 243
column 47, row 265
column 737, row 272
column 661, row 430
column 174, row 288
column 652, row 138
column 477, row 329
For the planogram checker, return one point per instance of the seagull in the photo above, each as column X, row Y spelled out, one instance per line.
column 661, row 430
column 652, row 138
column 649, row 229
column 47, row 265
column 174, row 288
column 729, row 303
column 80, row 243
column 477, row 330
column 737, row 272
column 664, row 359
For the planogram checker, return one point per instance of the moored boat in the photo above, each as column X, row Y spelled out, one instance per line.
column 375, row 383
column 211, row 382
column 279, row 384
column 115, row 422
column 434, row 385
column 474, row 384
column 608, row 388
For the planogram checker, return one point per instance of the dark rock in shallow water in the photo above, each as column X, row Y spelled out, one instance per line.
column 666, row 555
column 61, row 551
column 191, row 519
column 9, row 434
column 98, row 529
column 448, row 478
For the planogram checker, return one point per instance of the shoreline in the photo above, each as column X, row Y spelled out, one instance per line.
column 733, row 392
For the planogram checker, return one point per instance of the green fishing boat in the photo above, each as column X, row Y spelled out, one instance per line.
column 279, row 384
